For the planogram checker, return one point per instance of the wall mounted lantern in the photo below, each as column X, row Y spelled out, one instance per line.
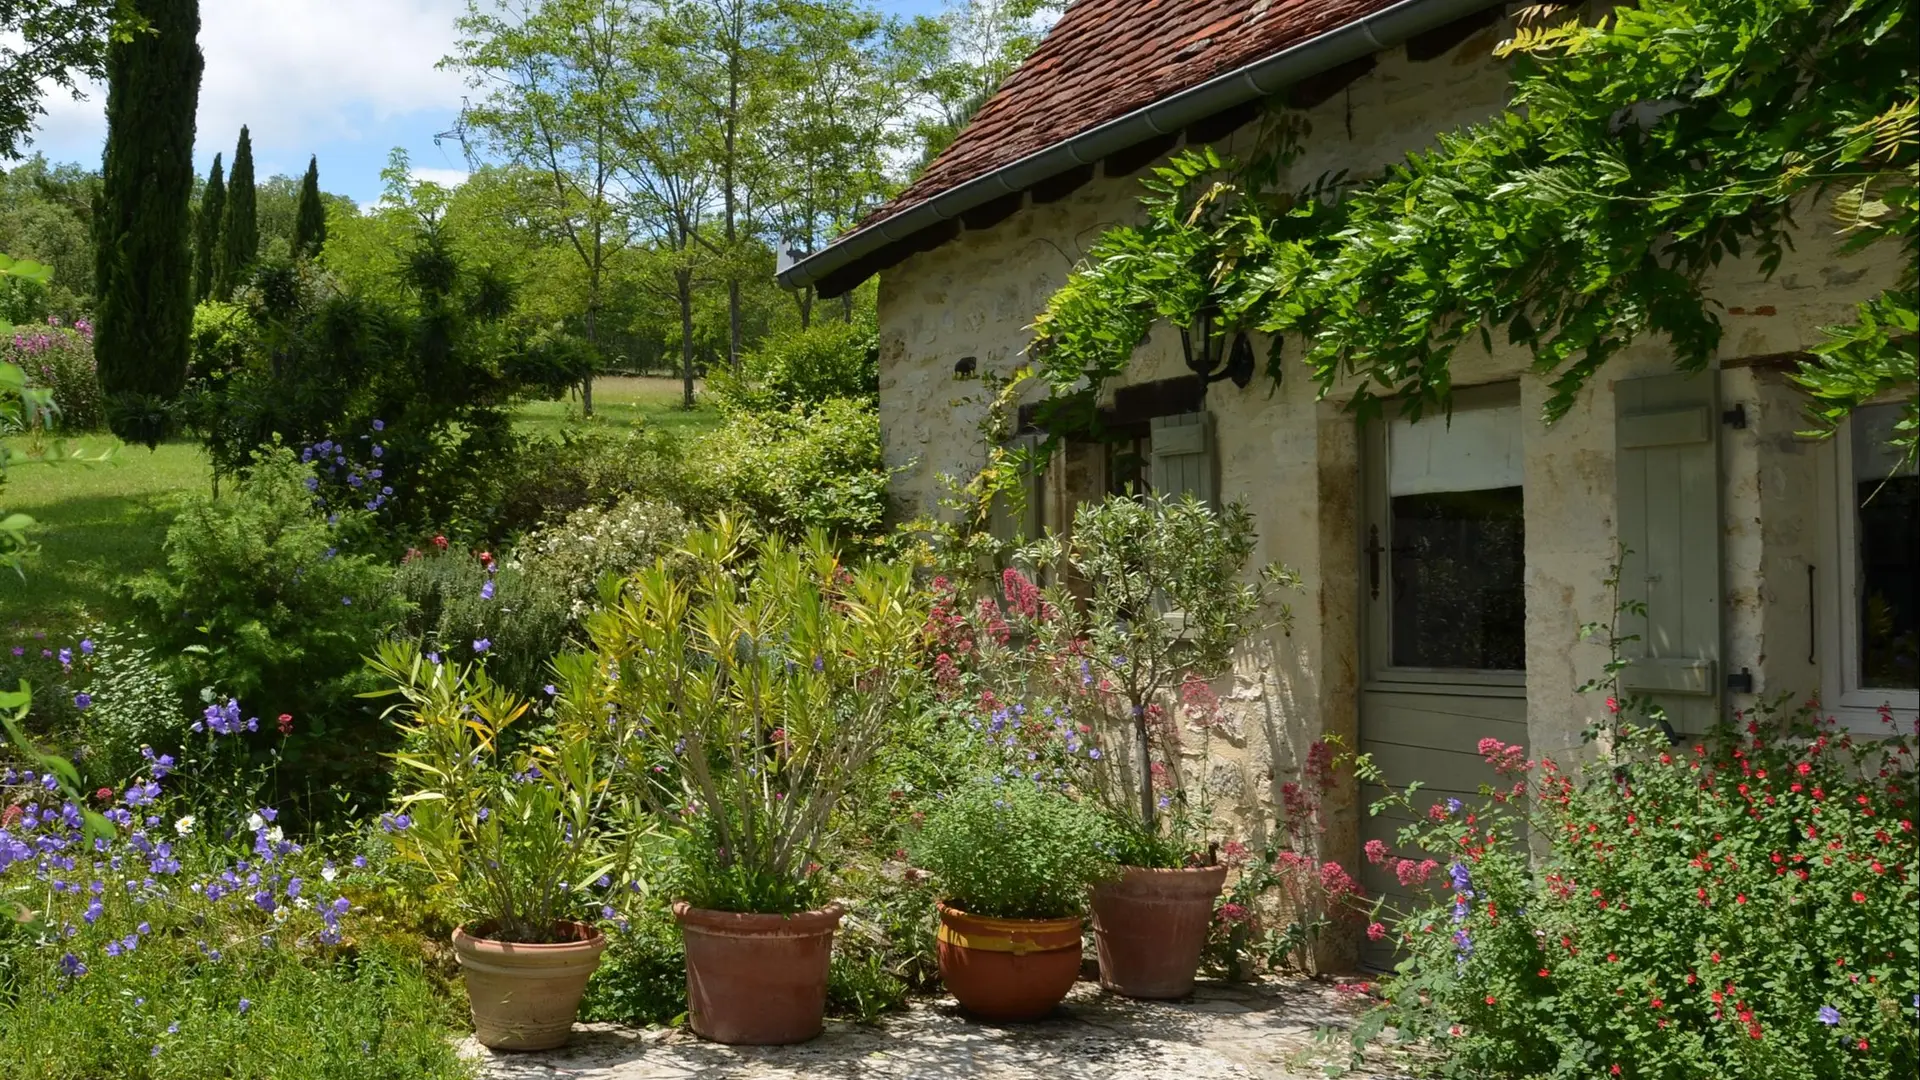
column 1203, row 349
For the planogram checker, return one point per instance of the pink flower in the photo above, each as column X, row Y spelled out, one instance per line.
column 1376, row 931
column 1338, row 883
column 1233, row 853
column 1232, row 913
column 1411, row 873
column 1377, row 852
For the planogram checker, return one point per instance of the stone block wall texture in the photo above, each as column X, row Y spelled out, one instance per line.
column 1293, row 459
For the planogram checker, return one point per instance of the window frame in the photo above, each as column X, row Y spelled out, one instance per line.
column 1380, row 671
column 1836, row 608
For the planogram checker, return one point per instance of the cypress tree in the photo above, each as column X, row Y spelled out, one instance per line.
column 213, row 203
column 240, row 229
column 143, row 218
column 310, row 226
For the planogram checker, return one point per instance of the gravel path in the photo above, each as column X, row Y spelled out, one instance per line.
column 1263, row 1031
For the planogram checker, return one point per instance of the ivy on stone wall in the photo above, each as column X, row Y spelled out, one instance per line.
column 1637, row 153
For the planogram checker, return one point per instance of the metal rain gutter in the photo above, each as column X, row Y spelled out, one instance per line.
column 1362, row 37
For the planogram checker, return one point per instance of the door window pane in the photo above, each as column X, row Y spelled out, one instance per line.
column 1886, row 504
column 1457, row 522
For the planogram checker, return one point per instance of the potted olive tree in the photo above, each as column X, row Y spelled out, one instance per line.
column 1013, row 858
column 529, row 842
column 1104, row 682
column 760, row 682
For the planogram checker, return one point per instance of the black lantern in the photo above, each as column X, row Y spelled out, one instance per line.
column 1206, row 357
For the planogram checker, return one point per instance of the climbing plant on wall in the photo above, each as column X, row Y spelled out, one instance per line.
column 1639, row 151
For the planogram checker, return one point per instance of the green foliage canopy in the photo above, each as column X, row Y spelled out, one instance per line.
column 1637, row 153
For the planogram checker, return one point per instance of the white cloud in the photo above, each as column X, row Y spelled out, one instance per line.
column 300, row 72
column 448, row 178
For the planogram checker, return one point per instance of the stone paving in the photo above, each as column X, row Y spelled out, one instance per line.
column 1263, row 1031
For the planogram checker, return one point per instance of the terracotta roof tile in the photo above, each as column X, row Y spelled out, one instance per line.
column 1106, row 58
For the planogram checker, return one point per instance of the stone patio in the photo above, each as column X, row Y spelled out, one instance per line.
column 1262, row 1031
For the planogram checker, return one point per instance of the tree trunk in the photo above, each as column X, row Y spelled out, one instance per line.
column 593, row 339
column 1145, row 754
column 846, row 306
column 683, row 281
column 804, row 298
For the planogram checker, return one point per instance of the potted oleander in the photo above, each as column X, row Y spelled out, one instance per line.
column 760, row 681
column 1013, row 859
column 531, row 844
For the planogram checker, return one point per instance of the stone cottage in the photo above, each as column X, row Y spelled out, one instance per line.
column 1448, row 564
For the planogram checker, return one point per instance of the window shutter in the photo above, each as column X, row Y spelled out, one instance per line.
column 1003, row 523
column 1668, row 497
column 1183, row 456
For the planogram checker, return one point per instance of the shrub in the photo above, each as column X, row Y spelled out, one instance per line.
column 588, row 467
column 799, row 470
column 261, row 600
column 1015, row 850
column 130, row 704
column 642, row 978
column 572, row 557
column 182, row 945
column 1742, row 907
column 752, row 688
column 825, row 361
column 60, row 360
column 457, row 601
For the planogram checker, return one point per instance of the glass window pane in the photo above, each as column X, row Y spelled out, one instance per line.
column 1459, row 579
column 1886, row 535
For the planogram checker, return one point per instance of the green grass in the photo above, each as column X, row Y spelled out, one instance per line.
column 97, row 524
column 621, row 400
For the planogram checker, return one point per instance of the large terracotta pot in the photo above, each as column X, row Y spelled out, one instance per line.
column 1008, row 969
column 1149, row 927
column 525, row 997
column 757, row 980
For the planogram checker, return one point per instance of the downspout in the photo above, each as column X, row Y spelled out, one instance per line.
column 1362, row 37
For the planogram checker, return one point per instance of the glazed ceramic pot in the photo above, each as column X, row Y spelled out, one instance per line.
column 1149, row 927
column 525, row 997
column 757, row 980
column 1008, row 969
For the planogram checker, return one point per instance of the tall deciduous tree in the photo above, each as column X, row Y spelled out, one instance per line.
column 554, row 74
column 144, row 218
column 310, row 227
column 45, row 43
column 240, row 229
column 213, row 206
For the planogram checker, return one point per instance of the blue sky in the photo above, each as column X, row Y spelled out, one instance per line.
column 345, row 79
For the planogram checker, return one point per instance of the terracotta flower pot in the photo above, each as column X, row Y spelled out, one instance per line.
column 1149, row 927
column 1008, row 969
column 757, row 980
column 525, row 997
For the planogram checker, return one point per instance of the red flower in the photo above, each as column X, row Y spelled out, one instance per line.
column 286, row 723
column 440, row 542
column 1490, row 999
column 1376, row 931
column 1859, row 898
column 103, row 794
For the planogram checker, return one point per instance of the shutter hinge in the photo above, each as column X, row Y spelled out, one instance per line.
column 1735, row 417
column 1742, row 682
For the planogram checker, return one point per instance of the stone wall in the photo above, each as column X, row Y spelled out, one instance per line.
column 1294, row 459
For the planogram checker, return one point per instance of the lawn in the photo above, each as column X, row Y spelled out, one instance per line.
column 100, row 523
column 626, row 400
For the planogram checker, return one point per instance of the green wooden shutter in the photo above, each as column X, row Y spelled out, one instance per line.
column 1183, row 456
column 1668, row 497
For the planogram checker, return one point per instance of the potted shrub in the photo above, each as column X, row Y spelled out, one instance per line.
column 1094, row 679
column 1013, row 859
column 762, row 681
column 528, row 843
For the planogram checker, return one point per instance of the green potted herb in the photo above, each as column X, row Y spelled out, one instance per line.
column 763, row 681
column 528, row 842
column 1013, row 859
